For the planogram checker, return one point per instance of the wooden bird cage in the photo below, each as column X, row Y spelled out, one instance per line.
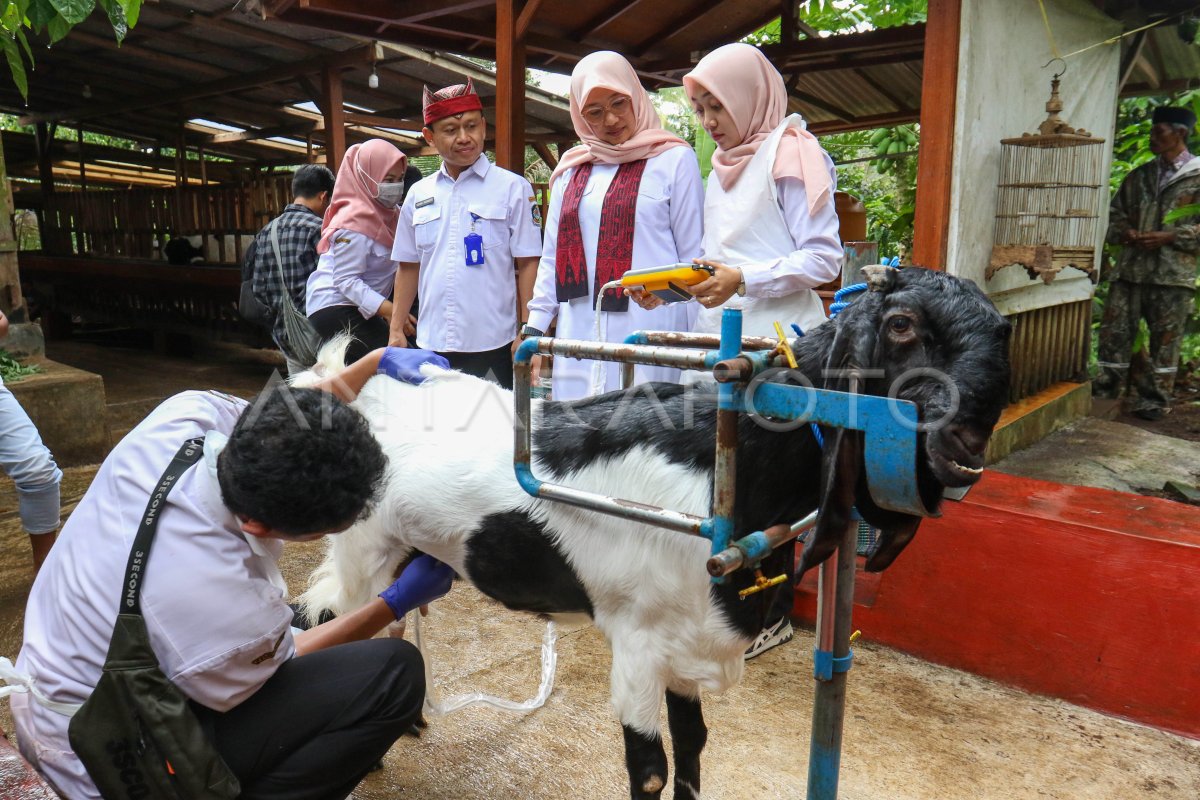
column 1049, row 200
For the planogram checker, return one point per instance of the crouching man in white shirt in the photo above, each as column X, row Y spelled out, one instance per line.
column 302, row 715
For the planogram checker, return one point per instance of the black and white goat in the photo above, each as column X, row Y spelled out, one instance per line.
column 451, row 493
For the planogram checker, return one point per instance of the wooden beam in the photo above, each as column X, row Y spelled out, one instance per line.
column 527, row 15
column 693, row 13
column 608, row 14
column 824, row 105
column 887, row 93
column 335, row 118
column 248, row 31
column 547, row 154
column 225, row 85
column 1129, row 59
column 935, row 164
column 45, row 139
column 510, row 88
column 392, row 12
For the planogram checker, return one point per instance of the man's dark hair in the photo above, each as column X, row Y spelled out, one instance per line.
column 300, row 461
column 310, row 180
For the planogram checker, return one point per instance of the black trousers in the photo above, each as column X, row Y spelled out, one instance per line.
column 368, row 333
column 493, row 365
column 322, row 721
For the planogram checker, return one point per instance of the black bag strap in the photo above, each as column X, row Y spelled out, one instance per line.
column 139, row 554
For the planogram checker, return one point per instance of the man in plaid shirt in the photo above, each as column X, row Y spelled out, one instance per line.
column 299, row 229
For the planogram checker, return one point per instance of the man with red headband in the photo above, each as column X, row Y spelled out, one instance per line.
column 460, row 231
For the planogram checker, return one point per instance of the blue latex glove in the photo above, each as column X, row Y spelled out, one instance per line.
column 424, row 580
column 404, row 363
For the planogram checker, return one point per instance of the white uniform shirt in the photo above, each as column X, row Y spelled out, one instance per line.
column 356, row 270
column 667, row 228
column 467, row 309
column 213, row 600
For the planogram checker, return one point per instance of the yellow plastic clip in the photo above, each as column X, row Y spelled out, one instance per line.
column 760, row 583
column 785, row 346
column 855, row 636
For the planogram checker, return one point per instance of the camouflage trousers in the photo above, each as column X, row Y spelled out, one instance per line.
column 1166, row 310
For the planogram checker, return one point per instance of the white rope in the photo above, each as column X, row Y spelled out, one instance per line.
column 19, row 682
column 439, row 708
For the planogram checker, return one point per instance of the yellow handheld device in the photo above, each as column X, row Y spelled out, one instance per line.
column 667, row 283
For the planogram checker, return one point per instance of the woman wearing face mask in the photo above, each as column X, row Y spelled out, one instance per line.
column 629, row 197
column 348, row 291
column 770, row 228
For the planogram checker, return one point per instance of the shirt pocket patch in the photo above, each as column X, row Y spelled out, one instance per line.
column 492, row 224
column 426, row 224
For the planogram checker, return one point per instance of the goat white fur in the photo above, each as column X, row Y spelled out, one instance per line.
column 449, row 443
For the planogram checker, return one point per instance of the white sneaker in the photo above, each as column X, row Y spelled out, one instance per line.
column 773, row 636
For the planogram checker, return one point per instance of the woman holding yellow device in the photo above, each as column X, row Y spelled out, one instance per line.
column 628, row 197
column 770, row 228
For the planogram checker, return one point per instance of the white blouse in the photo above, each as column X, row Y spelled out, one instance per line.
column 667, row 230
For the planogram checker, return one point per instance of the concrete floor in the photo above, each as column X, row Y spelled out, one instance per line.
column 913, row 731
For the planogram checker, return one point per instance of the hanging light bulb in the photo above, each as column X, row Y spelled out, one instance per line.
column 87, row 92
column 373, row 81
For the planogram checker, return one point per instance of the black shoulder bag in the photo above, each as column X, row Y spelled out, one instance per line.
column 250, row 307
column 136, row 734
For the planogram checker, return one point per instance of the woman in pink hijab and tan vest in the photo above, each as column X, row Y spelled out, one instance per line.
column 629, row 197
column 770, row 229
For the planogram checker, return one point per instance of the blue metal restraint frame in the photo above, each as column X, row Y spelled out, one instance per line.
column 889, row 426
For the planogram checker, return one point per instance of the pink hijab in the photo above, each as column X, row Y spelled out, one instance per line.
column 608, row 70
column 354, row 207
column 752, row 91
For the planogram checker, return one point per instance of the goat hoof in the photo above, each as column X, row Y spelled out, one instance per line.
column 653, row 785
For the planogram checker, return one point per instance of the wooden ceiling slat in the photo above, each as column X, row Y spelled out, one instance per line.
column 227, row 84
column 608, row 14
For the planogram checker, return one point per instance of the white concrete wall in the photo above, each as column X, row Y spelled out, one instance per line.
column 1002, row 92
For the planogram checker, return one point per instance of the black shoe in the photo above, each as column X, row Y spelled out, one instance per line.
column 1150, row 414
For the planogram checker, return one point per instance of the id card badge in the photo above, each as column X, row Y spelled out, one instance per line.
column 473, row 249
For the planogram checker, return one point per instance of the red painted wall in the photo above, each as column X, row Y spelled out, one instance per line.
column 1085, row 594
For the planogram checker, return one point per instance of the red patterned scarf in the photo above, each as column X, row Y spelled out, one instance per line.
column 614, row 250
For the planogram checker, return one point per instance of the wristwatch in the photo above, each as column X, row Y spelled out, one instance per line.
column 741, row 290
column 529, row 330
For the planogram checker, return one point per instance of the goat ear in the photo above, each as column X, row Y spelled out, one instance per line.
column 855, row 341
column 879, row 278
column 841, row 464
column 896, row 529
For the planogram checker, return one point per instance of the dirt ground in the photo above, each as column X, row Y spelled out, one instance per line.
column 1184, row 420
column 913, row 730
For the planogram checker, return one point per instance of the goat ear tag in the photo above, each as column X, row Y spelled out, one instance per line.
column 879, row 278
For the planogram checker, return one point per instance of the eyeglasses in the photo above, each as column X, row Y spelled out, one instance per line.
column 596, row 113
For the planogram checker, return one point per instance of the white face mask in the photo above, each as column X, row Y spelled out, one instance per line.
column 390, row 194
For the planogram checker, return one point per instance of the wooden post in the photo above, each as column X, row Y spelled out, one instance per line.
column 11, row 301
column 82, row 168
column 510, row 86
column 335, row 117
column 935, row 165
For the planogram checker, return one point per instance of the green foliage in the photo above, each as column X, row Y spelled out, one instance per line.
column 1176, row 214
column 55, row 18
column 839, row 16
column 13, row 370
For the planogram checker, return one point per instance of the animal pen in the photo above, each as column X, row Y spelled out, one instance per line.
column 889, row 428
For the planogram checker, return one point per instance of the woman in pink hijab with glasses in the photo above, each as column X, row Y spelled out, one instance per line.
column 629, row 197
column 348, row 291
column 770, row 228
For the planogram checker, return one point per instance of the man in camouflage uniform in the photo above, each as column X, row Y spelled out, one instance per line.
column 1155, row 275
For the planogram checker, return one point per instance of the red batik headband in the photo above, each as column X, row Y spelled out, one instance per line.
column 452, row 100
